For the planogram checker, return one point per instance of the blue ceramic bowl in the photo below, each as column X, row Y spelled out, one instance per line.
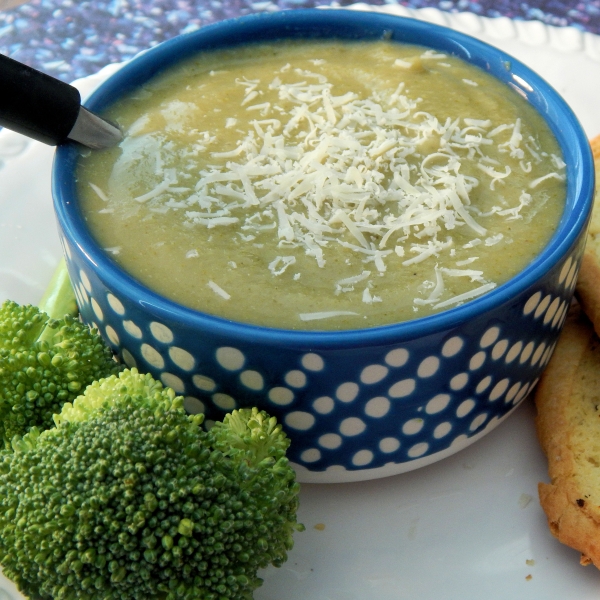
column 357, row 404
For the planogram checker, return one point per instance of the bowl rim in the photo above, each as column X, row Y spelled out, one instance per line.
column 352, row 25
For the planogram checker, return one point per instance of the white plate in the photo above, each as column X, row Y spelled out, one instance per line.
column 469, row 527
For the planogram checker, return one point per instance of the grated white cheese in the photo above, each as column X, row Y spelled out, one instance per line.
column 99, row 192
column 466, row 296
column 433, row 54
column 162, row 187
column 437, row 291
column 470, row 273
column 375, row 175
column 280, row 264
column 539, row 180
column 218, row 290
column 347, row 285
column 367, row 298
column 315, row 316
column 404, row 64
column 493, row 239
column 468, row 261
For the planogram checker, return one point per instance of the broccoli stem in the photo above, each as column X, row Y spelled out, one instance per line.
column 59, row 299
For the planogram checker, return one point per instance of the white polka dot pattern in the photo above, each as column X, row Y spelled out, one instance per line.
column 514, row 352
column 389, row 445
column 231, row 359
column 161, row 333
column 499, row 389
column 465, row 407
column 330, row 440
column 82, row 294
column 377, row 407
column 128, row 359
column 477, row 360
column 373, row 373
column 542, row 306
column 397, row 358
column 300, row 420
column 442, row 430
column 204, row 383
column 459, row 381
column 323, row 405
column 295, row 379
column 452, row 347
column 111, row 334
column 418, row 449
column 224, row 401
column 193, row 405
column 312, row 362
column 413, row 426
column 281, row 396
column 571, row 277
column 132, row 329
column 499, row 349
column 352, row 426
column 565, row 271
column 115, row 304
column 437, row 404
column 173, row 381
column 152, row 356
column 253, row 380
column 402, row 388
column 512, row 392
column 527, row 351
column 311, row 455
column 532, row 303
column 182, row 358
column 362, row 458
column 478, row 421
column 85, row 281
column 97, row 310
column 489, row 337
column 347, row 392
column 428, row 367
column 483, row 384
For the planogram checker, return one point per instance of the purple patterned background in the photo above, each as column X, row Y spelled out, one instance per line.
column 72, row 38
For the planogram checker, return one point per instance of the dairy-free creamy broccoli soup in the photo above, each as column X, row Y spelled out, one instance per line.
column 324, row 185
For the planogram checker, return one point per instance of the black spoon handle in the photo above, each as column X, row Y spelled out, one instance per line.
column 47, row 109
column 36, row 104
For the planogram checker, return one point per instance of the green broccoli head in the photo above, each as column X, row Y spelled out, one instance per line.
column 44, row 362
column 129, row 498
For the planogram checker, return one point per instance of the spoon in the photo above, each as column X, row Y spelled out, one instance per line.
column 49, row 110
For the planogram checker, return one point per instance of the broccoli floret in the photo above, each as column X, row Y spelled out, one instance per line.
column 128, row 497
column 47, row 358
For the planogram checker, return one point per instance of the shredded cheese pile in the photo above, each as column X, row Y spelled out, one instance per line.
column 375, row 175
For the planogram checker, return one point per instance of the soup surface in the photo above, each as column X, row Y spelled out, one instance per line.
column 324, row 185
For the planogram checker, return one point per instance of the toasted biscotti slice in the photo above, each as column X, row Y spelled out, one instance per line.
column 568, row 425
column 588, row 283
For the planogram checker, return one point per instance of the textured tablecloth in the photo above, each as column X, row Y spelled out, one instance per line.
column 73, row 38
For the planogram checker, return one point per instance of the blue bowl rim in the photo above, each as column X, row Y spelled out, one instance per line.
column 360, row 26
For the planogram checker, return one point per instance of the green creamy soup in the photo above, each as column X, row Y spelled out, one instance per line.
column 324, row 185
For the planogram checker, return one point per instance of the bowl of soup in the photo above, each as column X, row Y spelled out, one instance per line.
column 366, row 225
